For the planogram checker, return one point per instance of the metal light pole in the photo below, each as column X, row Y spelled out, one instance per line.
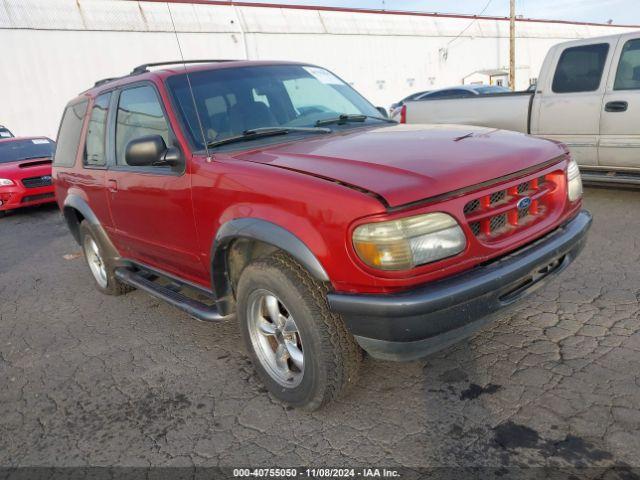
column 512, row 44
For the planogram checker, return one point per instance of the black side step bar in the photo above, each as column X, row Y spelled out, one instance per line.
column 198, row 310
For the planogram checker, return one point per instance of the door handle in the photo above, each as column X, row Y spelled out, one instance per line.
column 112, row 185
column 616, row 106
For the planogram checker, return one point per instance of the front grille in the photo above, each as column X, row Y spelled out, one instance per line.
column 496, row 213
column 497, row 197
column 497, row 222
column 33, row 198
column 472, row 206
column 36, row 182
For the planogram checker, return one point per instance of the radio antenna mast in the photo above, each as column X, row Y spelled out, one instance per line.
column 193, row 97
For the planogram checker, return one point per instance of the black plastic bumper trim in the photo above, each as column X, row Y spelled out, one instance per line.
column 452, row 303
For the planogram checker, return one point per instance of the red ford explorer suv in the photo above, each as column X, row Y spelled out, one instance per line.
column 25, row 172
column 274, row 195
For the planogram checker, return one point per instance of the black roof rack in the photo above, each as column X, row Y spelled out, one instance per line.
column 145, row 67
column 105, row 80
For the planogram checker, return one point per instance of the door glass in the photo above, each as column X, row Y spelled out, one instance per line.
column 94, row 151
column 139, row 115
column 628, row 74
column 580, row 68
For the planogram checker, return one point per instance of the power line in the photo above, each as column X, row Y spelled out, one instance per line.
column 470, row 23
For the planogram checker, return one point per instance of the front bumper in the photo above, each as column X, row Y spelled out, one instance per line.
column 412, row 324
column 17, row 196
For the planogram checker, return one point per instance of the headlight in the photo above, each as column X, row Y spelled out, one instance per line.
column 5, row 182
column 574, row 182
column 408, row 242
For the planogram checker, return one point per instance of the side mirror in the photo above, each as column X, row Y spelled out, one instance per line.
column 151, row 151
column 383, row 112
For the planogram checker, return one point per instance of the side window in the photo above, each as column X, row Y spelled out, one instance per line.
column 94, row 148
column 139, row 115
column 580, row 68
column 69, row 135
column 628, row 74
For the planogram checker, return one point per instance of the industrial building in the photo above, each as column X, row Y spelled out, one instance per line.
column 55, row 49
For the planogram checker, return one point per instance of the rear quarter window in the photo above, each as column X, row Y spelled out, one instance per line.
column 69, row 135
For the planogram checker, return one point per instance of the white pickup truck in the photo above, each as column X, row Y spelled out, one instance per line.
column 587, row 96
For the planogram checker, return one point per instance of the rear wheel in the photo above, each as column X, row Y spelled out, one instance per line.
column 302, row 351
column 98, row 264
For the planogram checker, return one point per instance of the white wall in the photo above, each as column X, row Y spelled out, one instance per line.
column 54, row 49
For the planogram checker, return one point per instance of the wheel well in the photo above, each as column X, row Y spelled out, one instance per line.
column 73, row 218
column 241, row 253
column 242, row 240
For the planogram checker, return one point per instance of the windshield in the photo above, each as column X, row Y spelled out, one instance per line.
column 15, row 150
column 231, row 101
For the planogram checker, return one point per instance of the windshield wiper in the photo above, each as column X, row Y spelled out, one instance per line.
column 262, row 132
column 345, row 118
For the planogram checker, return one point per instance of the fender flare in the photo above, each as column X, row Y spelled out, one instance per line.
column 75, row 202
column 263, row 231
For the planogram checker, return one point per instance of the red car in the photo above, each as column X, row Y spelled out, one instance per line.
column 25, row 172
column 274, row 195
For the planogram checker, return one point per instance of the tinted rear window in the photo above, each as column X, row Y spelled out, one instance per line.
column 69, row 134
column 580, row 68
column 24, row 149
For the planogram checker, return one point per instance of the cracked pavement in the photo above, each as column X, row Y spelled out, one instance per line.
column 87, row 379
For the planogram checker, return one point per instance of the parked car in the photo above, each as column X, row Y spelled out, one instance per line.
column 5, row 132
column 413, row 96
column 25, row 172
column 461, row 91
column 587, row 96
column 276, row 193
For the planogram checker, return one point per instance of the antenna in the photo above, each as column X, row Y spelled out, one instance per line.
column 193, row 97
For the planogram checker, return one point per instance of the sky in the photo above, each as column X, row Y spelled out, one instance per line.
column 600, row 11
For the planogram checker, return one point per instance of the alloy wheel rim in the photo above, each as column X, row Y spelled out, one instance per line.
column 94, row 259
column 275, row 338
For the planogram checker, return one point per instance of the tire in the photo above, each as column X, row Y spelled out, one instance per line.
column 330, row 355
column 105, row 280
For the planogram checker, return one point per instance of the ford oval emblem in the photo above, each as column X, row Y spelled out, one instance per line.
column 524, row 202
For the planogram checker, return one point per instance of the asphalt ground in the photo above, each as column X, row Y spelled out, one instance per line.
column 88, row 379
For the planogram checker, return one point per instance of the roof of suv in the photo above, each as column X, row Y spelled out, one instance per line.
column 142, row 72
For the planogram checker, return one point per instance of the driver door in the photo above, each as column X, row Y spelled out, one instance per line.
column 151, row 206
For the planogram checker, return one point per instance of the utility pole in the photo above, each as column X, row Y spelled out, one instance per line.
column 512, row 44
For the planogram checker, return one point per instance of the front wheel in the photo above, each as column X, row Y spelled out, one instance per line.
column 302, row 351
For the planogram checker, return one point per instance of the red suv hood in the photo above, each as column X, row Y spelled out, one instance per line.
column 406, row 163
